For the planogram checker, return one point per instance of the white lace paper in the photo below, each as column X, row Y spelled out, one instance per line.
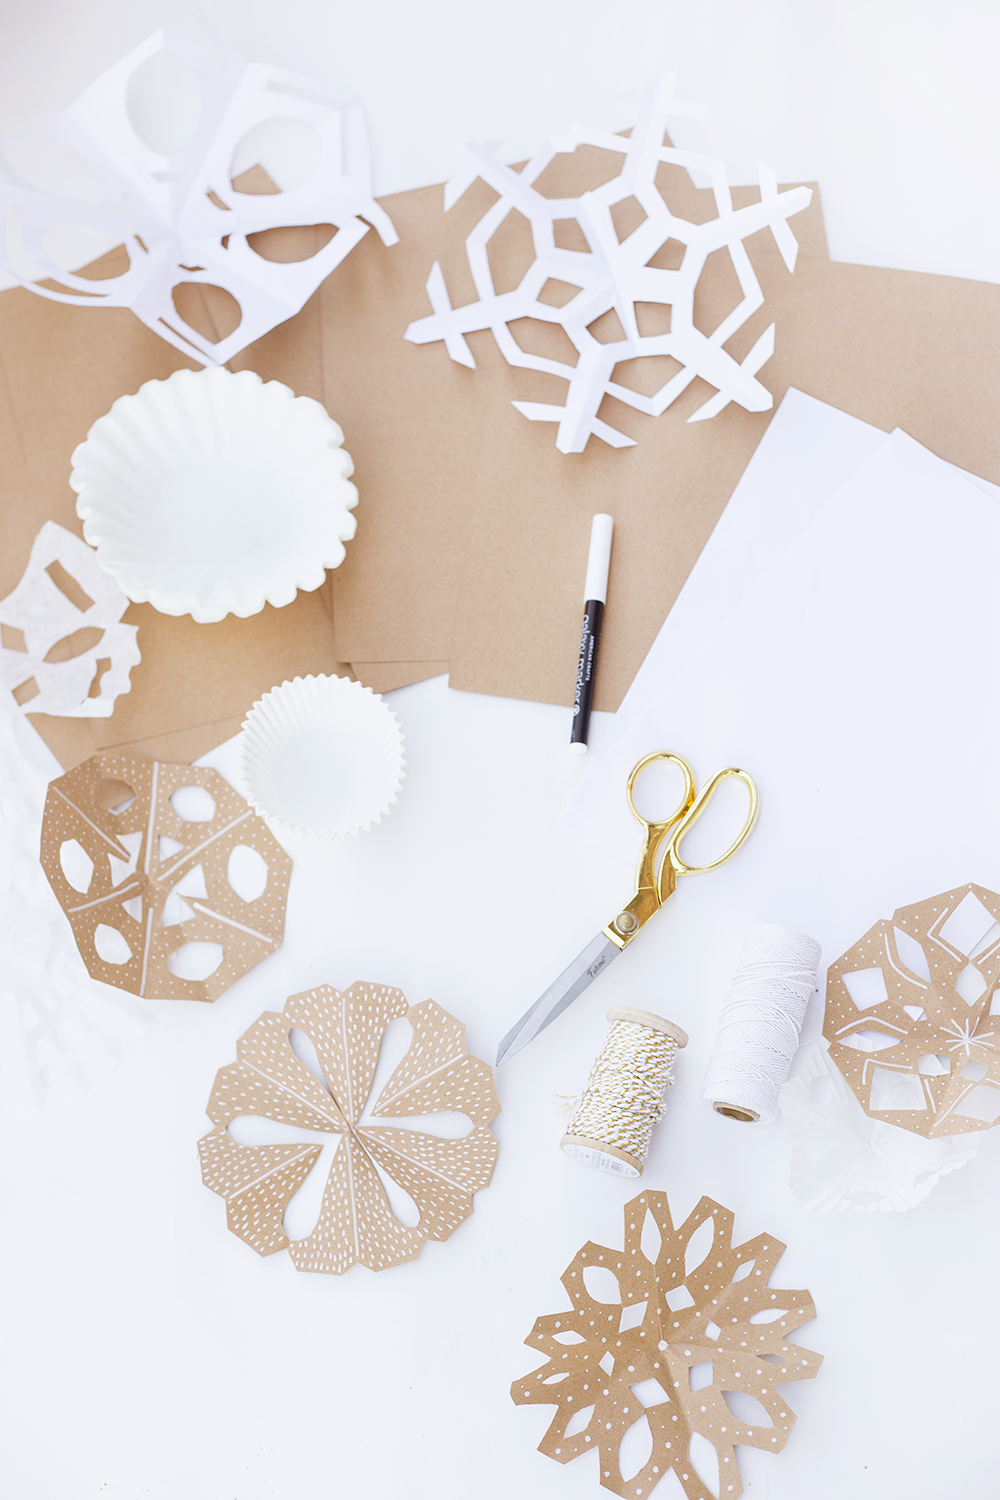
column 78, row 655
column 60, row 1030
column 177, row 212
column 843, row 1160
column 616, row 276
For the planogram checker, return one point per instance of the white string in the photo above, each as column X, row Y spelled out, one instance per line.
column 761, row 1019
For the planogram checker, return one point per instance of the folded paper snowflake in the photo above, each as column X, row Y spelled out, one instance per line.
column 64, row 649
column 913, row 1015
column 192, row 235
column 305, row 1077
column 173, row 887
column 684, row 1358
column 584, row 270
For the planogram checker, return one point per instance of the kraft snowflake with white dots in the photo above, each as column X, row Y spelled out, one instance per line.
column 671, row 1355
column 614, row 276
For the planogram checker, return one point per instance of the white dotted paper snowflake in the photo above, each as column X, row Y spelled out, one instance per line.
column 612, row 275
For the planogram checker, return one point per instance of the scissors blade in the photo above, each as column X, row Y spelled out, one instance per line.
column 571, row 982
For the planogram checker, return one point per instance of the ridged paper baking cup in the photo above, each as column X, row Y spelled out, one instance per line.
column 213, row 494
column 321, row 755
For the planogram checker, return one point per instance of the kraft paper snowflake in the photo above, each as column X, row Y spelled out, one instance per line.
column 144, row 858
column 612, row 275
column 912, row 1015
column 686, row 1354
column 362, row 1141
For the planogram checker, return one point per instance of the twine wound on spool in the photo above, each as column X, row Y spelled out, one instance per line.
column 623, row 1097
column 761, row 1019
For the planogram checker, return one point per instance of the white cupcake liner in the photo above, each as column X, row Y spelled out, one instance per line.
column 321, row 755
column 212, row 494
column 843, row 1160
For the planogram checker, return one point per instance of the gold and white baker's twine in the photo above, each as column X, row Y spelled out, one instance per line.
column 623, row 1097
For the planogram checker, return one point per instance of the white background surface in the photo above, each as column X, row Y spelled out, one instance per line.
column 148, row 1352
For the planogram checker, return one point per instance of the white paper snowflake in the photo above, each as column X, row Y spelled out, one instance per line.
column 63, row 648
column 178, row 213
column 616, row 276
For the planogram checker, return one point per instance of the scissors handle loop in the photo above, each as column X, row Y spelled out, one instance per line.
column 686, row 800
column 694, row 811
column 660, row 862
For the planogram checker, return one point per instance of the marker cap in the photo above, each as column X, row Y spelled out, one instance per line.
column 598, row 559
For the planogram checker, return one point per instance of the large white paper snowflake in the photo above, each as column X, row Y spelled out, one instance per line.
column 613, row 275
column 181, row 218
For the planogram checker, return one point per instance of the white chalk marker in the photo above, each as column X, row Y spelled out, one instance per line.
column 595, row 594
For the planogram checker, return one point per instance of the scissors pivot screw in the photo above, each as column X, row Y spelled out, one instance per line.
column 626, row 923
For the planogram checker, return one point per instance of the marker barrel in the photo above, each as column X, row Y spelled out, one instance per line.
column 595, row 592
column 593, row 613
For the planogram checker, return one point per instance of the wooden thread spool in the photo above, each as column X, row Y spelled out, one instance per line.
column 622, row 1100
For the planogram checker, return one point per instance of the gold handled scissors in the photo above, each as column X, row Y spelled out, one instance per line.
column 660, row 863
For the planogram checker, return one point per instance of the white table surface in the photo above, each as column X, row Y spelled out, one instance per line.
column 150, row 1355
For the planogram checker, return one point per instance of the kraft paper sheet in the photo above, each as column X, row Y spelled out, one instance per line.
column 674, row 1350
column 894, row 348
column 491, row 462
column 485, row 560
column 60, row 369
column 270, row 1081
column 472, row 528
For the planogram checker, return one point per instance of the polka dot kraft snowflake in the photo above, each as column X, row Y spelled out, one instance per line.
column 313, row 1147
column 615, row 252
column 672, row 1353
column 911, row 1015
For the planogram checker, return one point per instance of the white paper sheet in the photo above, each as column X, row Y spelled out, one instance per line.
column 856, row 684
column 808, row 453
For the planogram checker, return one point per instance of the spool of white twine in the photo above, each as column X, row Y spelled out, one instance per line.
column 761, row 1019
column 623, row 1098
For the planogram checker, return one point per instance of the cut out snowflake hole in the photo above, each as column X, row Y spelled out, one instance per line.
column 970, row 984
column 866, row 987
column 967, row 925
column 602, row 1284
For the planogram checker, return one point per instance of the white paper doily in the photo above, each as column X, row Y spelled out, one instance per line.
column 60, row 1030
column 846, row 1162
